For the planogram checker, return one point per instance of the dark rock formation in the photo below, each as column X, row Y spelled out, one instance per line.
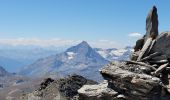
column 69, row 86
column 1, row 85
column 139, row 44
column 61, row 89
column 143, row 46
column 46, row 83
column 152, row 23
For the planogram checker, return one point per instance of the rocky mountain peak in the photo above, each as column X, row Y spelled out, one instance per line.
column 76, row 59
column 83, row 46
column 84, row 43
column 84, row 51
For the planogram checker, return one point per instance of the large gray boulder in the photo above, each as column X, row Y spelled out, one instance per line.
column 97, row 92
column 162, row 44
column 152, row 23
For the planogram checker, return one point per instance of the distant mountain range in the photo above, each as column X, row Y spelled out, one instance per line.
column 80, row 59
column 15, row 57
column 77, row 59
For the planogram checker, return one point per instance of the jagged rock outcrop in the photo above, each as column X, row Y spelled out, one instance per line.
column 61, row 89
column 152, row 23
column 144, row 45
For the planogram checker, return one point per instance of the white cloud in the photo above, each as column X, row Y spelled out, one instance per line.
column 135, row 34
column 58, row 42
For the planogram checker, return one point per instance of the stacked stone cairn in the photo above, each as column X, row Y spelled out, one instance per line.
column 144, row 77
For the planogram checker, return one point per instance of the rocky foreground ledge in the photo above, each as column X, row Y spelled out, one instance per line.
column 124, row 82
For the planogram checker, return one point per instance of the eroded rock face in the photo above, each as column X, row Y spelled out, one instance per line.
column 163, row 44
column 125, row 82
column 152, row 23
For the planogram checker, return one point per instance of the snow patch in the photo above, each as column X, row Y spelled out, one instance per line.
column 71, row 55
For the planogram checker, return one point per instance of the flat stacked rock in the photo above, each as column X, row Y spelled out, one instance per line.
column 124, row 82
column 135, row 85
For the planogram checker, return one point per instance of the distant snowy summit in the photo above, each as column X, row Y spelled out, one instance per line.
column 113, row 54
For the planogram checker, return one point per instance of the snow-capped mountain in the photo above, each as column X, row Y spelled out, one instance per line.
column 115, row 54
column 80, row 59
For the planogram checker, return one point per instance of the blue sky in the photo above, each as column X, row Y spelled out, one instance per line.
column 90, row 20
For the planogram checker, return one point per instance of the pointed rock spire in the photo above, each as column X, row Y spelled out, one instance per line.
column 152, row 23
